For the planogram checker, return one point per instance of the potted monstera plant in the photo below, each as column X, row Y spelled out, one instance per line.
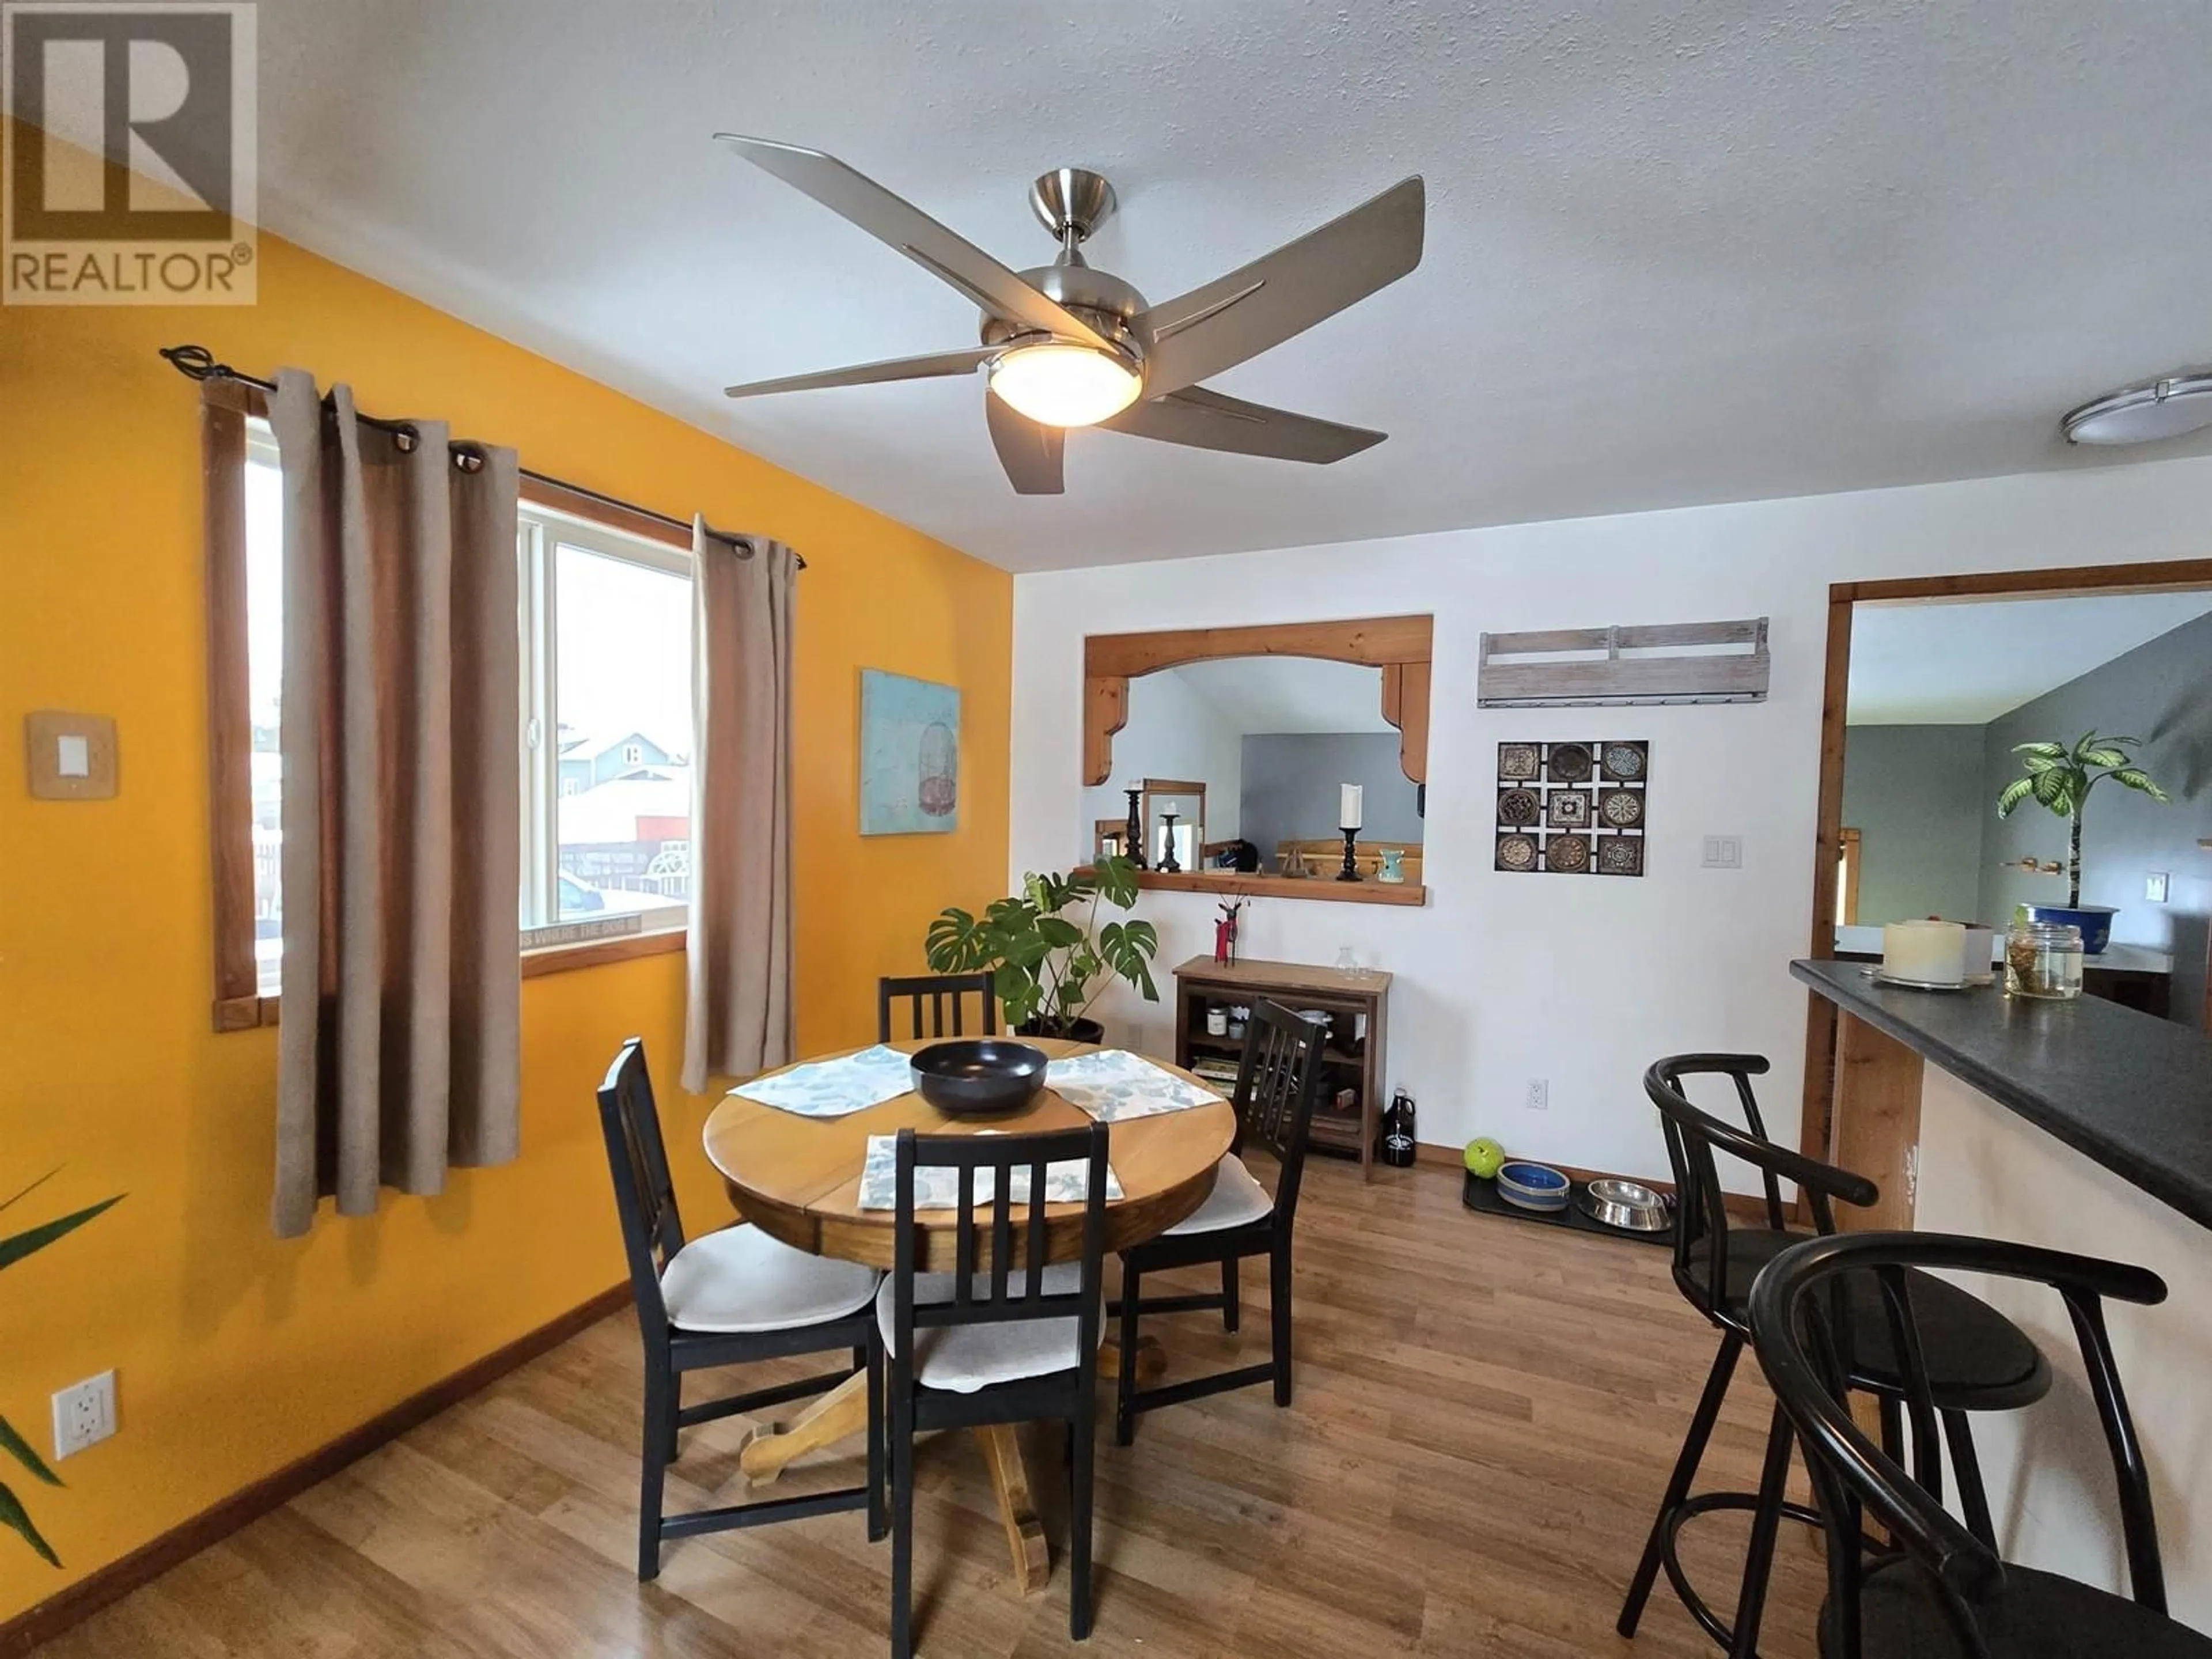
column 2060, row 778
column 1048, row 953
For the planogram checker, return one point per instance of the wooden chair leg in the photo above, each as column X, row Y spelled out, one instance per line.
column 652, row 1465
column 1678, row 1484
column 1279, row 1264
column 1079, row 1526
column 1125, row 1393
column 902, row 1530
column 1229, row 1309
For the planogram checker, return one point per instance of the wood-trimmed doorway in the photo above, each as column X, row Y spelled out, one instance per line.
column 2168, row 576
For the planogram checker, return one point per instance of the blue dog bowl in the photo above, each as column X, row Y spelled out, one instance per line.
column 2095, row 921
column 1533, row 1186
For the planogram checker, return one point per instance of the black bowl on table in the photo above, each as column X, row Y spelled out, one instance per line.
column 979, row 1077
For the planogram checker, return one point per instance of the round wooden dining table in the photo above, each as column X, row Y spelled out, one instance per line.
column 798, row 1179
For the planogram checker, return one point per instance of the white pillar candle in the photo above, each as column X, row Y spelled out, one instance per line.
column 1349, row 800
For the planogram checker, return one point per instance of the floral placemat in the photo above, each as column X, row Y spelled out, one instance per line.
column 1113, row 1085
column 1067, row 1182
column 832, row 1088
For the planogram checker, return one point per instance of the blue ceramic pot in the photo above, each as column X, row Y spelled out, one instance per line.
column 2095, row 921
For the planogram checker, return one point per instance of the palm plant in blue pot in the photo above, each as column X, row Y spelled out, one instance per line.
column 2060, row 779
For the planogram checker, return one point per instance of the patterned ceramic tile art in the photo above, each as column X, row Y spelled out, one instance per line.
column 1572, row 809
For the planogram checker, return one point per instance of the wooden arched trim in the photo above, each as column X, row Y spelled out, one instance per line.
column 1399, row 645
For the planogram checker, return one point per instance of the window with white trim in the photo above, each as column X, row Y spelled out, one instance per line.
column 605, row 625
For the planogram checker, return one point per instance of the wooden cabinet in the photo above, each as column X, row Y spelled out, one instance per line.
column 1357, row 1006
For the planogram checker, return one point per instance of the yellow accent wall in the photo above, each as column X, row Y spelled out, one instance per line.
column 236, row 1351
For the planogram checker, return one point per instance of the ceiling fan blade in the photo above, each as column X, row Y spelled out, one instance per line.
column 1030, row 452
column 942, row 252
column 964, row 362
column 1196, row 335
column 1206, row 419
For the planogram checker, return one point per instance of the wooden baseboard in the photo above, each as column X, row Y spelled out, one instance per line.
column 1750, row 1206
column 57, row 1612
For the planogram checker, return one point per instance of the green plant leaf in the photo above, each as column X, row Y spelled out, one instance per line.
column 1059, row 933
column 14, row 1250
column 2040, row 763
column 26, row 1191
column 2105, row 758
column 1116, row 878
column 17, row 1520
column 19, row 1449
column 2014, row 794
column 2134, row 778
column 953, row 944
column 2048, row 750
column 2048, row 786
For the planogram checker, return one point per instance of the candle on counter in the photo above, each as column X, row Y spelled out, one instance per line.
column 1933, row 952
column 1350, row 797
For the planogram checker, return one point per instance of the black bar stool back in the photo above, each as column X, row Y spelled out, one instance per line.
column 929, row 998
column 1942, row 1588
column 1980, row 1360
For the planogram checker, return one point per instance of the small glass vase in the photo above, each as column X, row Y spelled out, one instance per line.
column 2042, row 960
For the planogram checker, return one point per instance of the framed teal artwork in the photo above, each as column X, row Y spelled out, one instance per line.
column 909, row 756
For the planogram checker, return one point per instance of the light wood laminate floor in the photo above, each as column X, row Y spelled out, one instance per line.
column 1485, row 1412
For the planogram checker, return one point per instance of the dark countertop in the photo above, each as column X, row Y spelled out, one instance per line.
column 2133, row 1092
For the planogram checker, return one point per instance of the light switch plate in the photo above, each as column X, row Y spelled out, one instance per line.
column 1723, row 853
column 2155, row 887
column 70, row 757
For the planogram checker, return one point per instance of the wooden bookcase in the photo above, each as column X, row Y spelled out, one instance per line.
column 1355, row 1054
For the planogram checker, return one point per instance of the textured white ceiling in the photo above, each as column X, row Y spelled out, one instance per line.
column 1270, row 696
column 1965, row 665
column 1679, row 251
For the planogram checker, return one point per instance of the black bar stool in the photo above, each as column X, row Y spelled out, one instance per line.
column 1943, row 1589
column 1977, row 1359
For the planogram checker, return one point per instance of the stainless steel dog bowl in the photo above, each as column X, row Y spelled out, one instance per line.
column 1628, row 1205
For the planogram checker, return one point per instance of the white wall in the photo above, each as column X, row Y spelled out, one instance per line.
column 1579, row 980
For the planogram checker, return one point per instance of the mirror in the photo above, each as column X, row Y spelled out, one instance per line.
column 1241, row 765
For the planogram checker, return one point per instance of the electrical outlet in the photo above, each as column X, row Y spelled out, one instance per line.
column 2155, row 887
column 1540, row 1094
column 84, row 1414
column 1723, row 853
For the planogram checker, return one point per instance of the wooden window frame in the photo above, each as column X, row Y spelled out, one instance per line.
column 226, row 406
column 1847, row 854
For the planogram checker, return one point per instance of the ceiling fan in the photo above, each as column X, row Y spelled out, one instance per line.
column 1066, row 345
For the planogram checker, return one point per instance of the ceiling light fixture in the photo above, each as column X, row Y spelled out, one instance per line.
column 1055, row 384
column 2165, row 408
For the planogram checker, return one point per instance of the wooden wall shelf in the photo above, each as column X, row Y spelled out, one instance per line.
column 1229, row 884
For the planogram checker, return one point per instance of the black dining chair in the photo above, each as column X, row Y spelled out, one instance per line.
column 937, row 994
column 725, row 1298
column 1938, row 1590
column 1007, row 1337
column 1978, row 1359
column 1278, row 1081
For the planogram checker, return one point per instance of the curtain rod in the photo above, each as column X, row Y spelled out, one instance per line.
column 198, row 363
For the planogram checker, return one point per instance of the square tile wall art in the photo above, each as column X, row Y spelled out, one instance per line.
column 909, row 756
column 1572, row 809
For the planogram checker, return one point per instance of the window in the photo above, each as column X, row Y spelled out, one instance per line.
column 606, row 742
column 606, row 648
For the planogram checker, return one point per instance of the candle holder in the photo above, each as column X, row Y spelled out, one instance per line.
column 1351, row 871
column 1170, row 865
column 1136, row 829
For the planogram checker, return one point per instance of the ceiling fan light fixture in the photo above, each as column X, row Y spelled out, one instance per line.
column 2165, row 408
column 1056, row 384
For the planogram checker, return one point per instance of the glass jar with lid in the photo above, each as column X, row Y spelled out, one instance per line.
column 2043, row 959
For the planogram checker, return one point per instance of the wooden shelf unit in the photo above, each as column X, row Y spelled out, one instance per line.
column 1351, row 1062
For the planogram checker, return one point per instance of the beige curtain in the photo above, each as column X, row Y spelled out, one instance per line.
column 398, row 1047
column 738, row 1018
